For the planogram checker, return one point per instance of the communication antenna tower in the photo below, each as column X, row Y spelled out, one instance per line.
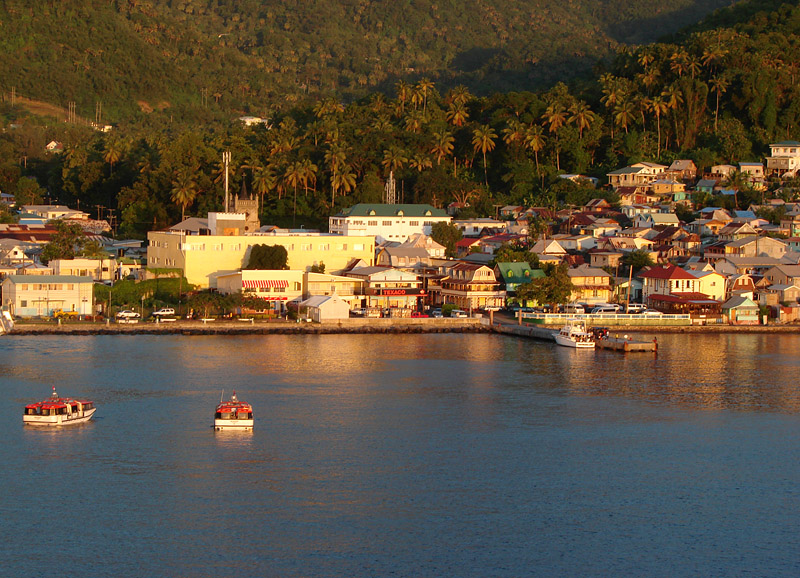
column 391, row 193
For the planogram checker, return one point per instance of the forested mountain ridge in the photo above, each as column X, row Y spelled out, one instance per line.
column 247, row 55
column 713, row 94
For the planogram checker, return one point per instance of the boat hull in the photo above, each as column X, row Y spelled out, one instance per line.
column 567, row 342
column 233, row 424
column 59, row 420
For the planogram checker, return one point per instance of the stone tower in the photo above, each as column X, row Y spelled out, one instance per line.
column 247, row 204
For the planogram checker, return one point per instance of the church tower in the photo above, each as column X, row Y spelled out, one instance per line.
column 247, row 204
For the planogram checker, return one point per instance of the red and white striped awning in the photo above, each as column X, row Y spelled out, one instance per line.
column 263, row 283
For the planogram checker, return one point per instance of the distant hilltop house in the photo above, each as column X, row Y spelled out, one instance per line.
column 54, row 147
column 387, row 222
column 52, row 212
column 637, row 174
column 783, row 159
column 254, row 121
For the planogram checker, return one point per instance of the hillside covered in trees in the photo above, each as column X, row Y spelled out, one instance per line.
column 712, row 94
column 197, row 58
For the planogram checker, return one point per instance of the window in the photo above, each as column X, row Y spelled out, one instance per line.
column 23, row 303
column 305, row 247
column 372, row 223
column 358, row 247
column 218, row 247
column 387, row 223
column 325, row 247
column 414, row 223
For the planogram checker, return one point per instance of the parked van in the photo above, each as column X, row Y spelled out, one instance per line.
column 606, row 308
column 634, row 308
column 574, row 309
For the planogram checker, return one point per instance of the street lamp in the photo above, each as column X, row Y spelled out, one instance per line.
column 142, row 309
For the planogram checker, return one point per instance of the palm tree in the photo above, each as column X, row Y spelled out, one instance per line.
column 483, row 139
column 113, row 153
column 336, row 158
column 420, row 162
column 403, row 94
column 582, row 116
column 459, row 95
column 457, row 114
column 555, row 116
column 719, row 84
column 294, row 176
column 534, row 140
column 442, row 145
column 393, row 159
column 309, row 170
column 263, row 182
column 344, row 180
column 624, row 114
column 424, row 86
column 659, row 106
column 184, row 189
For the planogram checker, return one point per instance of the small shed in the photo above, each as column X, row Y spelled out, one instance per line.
column 741, row 310
column 325, row 308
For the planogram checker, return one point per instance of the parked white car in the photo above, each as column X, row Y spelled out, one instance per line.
column 164, row 312
column 458, row 313
column 127, row 314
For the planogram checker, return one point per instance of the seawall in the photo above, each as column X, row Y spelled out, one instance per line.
column 237, row 327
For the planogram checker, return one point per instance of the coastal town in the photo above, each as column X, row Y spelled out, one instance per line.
column 651, row 258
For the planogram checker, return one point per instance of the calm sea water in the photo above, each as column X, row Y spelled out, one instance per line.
column 413, row 455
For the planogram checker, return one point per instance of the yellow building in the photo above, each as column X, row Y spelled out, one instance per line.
column 203, row 257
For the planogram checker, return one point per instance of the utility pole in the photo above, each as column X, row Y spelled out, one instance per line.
column 226, row 158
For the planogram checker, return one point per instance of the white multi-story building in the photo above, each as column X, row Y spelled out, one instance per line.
column 784, row 157
column 387, row 222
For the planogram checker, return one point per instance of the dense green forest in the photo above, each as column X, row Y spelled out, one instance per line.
column 199, row 58
column 712, row 94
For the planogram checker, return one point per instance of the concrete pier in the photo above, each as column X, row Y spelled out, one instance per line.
column 627, row 343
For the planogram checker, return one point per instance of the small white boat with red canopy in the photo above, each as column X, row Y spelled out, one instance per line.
column 56, row 411
column 234, row 415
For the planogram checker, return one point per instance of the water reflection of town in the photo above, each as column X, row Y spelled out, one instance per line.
column 726, row 371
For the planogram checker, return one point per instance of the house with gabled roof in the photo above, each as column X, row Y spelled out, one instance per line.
column 548, row 247
column 712, row 284
column 512, row 275
column 406, row 258
column 465, row 246
column 590, row 284
column 420, row 241
column 667, row 280
column 741, row 310
column 756, row 245
column 652, row 220
column 734, row 231
column 740, row 285
column 635, row 195
column 783, row 275
column 469, row 286
column 683, row 169
column 637, row 174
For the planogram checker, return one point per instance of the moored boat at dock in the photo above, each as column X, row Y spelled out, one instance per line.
column 56, row 411
column 574, row 334
column 233, row 415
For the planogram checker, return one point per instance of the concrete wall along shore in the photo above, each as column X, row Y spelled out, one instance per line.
column 242, row 327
